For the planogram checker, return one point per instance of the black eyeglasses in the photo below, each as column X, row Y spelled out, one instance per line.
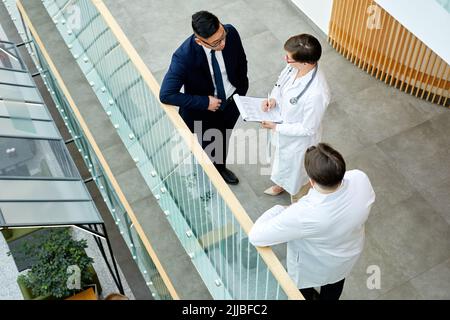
column 216, row 43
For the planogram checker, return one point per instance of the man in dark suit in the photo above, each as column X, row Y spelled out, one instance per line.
column 212, row 66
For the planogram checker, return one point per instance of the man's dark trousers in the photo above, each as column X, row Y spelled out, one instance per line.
column 223, row 121
column 327, row 292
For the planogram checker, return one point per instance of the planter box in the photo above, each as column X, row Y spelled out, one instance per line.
column 28, row 294
column 14, row 234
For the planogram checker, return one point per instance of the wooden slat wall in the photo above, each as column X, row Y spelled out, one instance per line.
column 388, row 51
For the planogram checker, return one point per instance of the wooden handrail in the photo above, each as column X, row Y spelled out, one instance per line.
column 98, row 153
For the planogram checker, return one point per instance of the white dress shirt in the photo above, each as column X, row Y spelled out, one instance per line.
column 229, row 88
column 324, row 232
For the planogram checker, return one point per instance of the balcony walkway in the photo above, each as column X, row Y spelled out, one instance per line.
column 9, row 289
column 400, row 141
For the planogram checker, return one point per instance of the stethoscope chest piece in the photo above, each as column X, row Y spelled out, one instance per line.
column 293, row 100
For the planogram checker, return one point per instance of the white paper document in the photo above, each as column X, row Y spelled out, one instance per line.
column 250, row 109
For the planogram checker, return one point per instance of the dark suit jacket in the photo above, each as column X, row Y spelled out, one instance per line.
column 189, row 67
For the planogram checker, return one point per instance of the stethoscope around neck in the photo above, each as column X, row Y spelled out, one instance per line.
column 294, row 100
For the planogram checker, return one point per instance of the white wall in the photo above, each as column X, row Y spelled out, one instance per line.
column 319, row 11
column 427, row 20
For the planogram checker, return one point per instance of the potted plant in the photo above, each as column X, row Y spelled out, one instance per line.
column 56, row 254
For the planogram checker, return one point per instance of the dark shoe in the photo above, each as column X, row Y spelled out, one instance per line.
column 228, row 176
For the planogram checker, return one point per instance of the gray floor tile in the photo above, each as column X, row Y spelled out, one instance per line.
column 356, row 285
column 240, row 15
column 429, row 109
column 262, row 87
column 159, row 76
column 390, row 185
column 163, row 43
column 264, row 55
column 271, row 13
column 418, row 152
column 216, row 6
column 438, row 196
column 258, row 183
column 157, row 13
column 377, row 107
column 414, row 236
column 403, row 292
column 441, row 119
column 433, row 284
column 339, row 131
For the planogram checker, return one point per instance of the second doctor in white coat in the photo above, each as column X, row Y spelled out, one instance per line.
column 302, row 93
column 324, row 230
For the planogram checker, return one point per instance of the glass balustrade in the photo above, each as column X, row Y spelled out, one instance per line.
column 445, row 4
column 122, row 220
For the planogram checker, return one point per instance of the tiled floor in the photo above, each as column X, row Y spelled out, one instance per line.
column 401, row 142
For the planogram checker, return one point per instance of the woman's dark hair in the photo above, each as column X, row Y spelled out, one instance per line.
column 205, row 24
column 304, row 48
column 324, row 165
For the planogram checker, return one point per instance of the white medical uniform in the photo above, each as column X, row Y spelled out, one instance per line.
column 301, row 127
column 324, row 232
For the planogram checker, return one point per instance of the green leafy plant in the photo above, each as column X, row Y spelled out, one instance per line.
column 54, row 253
column 206, row 197
column 191, row 180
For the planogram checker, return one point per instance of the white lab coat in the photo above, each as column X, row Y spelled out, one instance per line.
column 324, row 232
column 301, row 127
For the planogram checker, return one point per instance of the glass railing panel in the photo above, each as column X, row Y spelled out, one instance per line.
column 52, row 8
column 62, row 3
column 107, row 42
column 445, row 4
column 104, row 185
column 210, row 234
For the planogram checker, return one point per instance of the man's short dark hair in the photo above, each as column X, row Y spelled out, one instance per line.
column 304, row 48
column 205, row 24
column 324, row 165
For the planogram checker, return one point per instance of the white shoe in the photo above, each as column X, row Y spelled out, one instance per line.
column 270, row 191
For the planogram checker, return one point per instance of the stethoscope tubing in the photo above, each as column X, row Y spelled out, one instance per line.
column 294, row 100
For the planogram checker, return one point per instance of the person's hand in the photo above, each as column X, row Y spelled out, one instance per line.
column 268, row 125
column 214, row 104
column 268, row 104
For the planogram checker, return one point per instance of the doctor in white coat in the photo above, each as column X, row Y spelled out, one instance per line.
column 302, row 93
column 324, row 230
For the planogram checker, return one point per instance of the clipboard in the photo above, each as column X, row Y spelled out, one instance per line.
column 250, row 109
